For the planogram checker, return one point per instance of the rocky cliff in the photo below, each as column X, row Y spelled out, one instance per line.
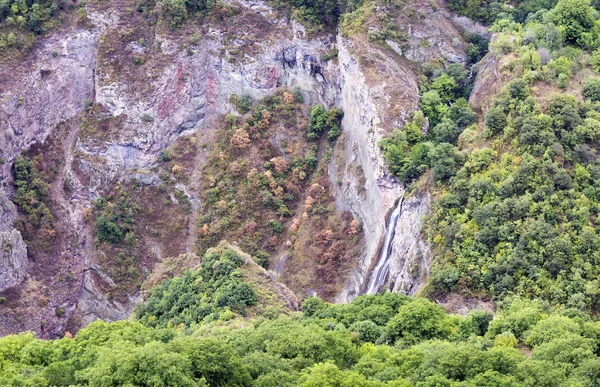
column 107, row 97
column 13, row 253
column 409, row 268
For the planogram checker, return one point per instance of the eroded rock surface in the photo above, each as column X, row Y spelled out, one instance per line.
column 13, row 259
column 411, row 255
column 181, row 90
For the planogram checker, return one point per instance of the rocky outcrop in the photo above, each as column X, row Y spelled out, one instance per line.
column 13, row 259
column 13, row 252
column 439, row 37
column 411, row 256
column 490, row 79
column 366, row 189
column 55, row 90
column 93, row 303
column 180, row 90
column 379, row 91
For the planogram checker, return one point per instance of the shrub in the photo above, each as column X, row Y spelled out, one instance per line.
column 518, row 89
column 495, row 119
column 591, row 90
column 317, row 123
column 596, row 60
column 276, row 226
column 216, row 286
column 164, row 156
column 446, row 131
column 323, row 121
column 367, row 330
column 417, row 321
column 475, row 323
column 506, row 339
column 576, row 16
column 443, row 161
column 107, row 230
column 563, row 81
column 445, row 279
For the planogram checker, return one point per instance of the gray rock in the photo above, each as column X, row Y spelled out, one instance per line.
column 13, row 251
column 13, row 259
column 411, row 256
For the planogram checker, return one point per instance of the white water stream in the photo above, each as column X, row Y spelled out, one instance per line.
column 380, row 272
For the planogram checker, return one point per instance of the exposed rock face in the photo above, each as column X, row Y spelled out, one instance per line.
column 379, row 92
column 93, row 304
column 13, row 259
column 411, row 255
column 54, row 90
column 181, row 91
column 367, row 189
column 490, row 79
column 440, row 37
column 13, row 252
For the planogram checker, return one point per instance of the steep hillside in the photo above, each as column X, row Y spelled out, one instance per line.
column 513, row 173
column 150, row 132
column 300, row 193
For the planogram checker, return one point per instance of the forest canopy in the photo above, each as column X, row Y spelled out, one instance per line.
column 381, row 340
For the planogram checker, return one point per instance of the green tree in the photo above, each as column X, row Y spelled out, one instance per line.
column 591, row 89
column 444, row 159
column 495, row 119
column 417, row 321
column 576, row 16
column 446, row 87
column 446, row 131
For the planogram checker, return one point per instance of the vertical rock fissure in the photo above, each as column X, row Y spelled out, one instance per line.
column 381, row 270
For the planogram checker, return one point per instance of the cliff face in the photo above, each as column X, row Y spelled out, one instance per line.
column 13, row 252
column 112, row 95
column 365, row 187
column 379, row 92
column 409, row 270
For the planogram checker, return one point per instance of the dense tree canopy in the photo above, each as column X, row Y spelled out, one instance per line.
column 382, row 340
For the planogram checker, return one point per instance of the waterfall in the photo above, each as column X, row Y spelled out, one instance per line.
column 380, row 272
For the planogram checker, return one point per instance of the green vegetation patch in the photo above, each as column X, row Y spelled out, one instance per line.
column 22, row 21
column 429, row 139
column 375, row 341
column 215, row 290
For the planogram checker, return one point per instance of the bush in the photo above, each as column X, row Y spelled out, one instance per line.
column 367, row 330
column 243, row 104
column 31, row 195
column 443, row 161
column 216, row 286
column 576, row 16
column 418, row 321
column 518, row 89
column 563, row 81
column 107, row 230
column 475, row 323
column 164, row 156
column 591, row 89
column 322, row 121
column 276, row 226
column 596, row 60
column 446, row 131
column 495, row 119
column 445, row 279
